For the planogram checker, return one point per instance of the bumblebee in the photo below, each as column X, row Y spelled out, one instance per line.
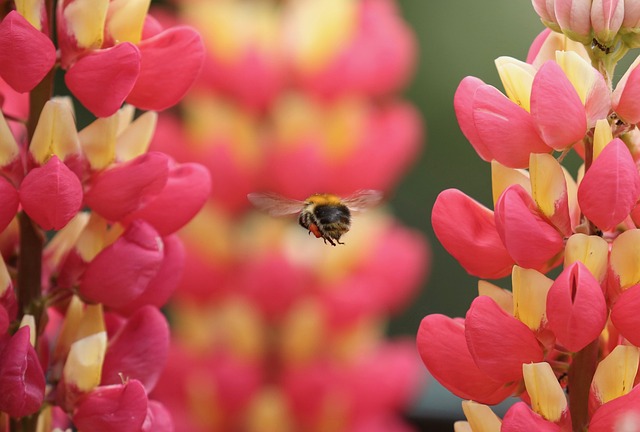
column 326, row 216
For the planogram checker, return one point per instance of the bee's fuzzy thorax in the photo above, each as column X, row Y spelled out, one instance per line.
column 329, row 199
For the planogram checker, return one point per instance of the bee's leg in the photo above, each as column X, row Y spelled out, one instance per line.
column 329, row 239
column 339, row 242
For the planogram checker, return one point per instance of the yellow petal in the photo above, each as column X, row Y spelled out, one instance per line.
column 624, row 258
column 578, row 70
column 98, row 141
column 503, row 297
column 69, row 328
column 31, row 10
column 592, row 251
column 269, row 411
column 303, row 332
column 502, row 177
column 92, row 238
column 29, row 321
column 517, row 78
column 45, row 419
column 615, row 374
column 480, row 417
column 547, row 182
column 83, row 367
column 462, row 426
column 65, row 239
column 5, row 278
column 530, row 289
column 547, row 397
column 601, row 136
column 126, row 19
column 310, row 42
column 8, row 146
column 85, row 21
column 55, row 133
column 92, row 321
column 135, row 139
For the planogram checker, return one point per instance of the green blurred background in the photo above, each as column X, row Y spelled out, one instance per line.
column 456, row 38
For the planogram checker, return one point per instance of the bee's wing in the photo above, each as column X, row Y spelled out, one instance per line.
column 275, row 204
column 363, row 199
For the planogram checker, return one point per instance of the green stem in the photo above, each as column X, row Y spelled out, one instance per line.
column 581, row 372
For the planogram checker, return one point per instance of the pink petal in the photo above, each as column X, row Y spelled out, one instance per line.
column 4, row 320
column 574, row 18
column 624, row 314
column 576, row 308
column 505, row 128
column 443, row 349
column 119, row 191
column 121, row 408
column 103, row 79
column 158, row 418
column 606, row 19
column 21, row 377
column 170, row 63
column 51, row 194
column 122, row 270
column 26, row 54
column 138, row 350
column 467, row 231
column 626, row 95
column 166, row 280
column 187, row 189
column 520, row 418
column 611, row 416
column 610, row 188
column 539, row 41
column 498, row 342
column 10, row 200
column 556, row 107
column 463, row 105
column 526, row 234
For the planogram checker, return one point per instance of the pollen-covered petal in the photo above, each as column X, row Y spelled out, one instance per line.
column 138, row 350
column 51, row 194
column 627, row 93
column 463, row 105
column 444, row 351
column 120, row 407
column 122, row 270
column 10, row 199
column 188, row 184
column 467, row 231
column 615, row 374
column 521, row 418
column 576, row 307
column 498, row 342
column 549, row 190
column 529, row 239
column 21, row 376
column 505, row 128
column 611, row 187
column 624, row 314
column 163, row 81
column 547, row 397
column 556, row 107
column 125, row 188
column 26, row 54
column 103, row 79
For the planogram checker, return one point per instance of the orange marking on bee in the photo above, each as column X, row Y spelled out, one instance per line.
column 313, row 228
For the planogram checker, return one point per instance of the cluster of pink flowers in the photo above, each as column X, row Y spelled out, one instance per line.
column 568, row 347
column 274, row 330
column 88, row 217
